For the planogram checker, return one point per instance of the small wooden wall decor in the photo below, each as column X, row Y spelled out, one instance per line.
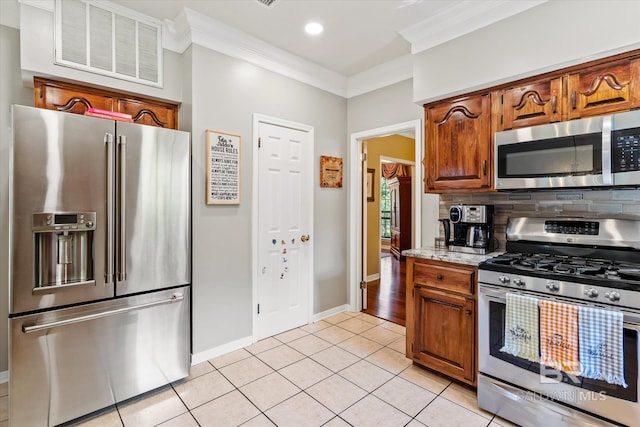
column 330, row 171
column 223, row 168
column 371, row 175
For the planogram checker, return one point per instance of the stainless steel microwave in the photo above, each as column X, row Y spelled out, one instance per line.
column 594, row 152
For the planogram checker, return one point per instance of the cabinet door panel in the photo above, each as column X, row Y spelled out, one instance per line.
column 145, row 113
column 445, row 332
column 533, row 104
column 609, row 88
column 458, row 144
column 69, row 100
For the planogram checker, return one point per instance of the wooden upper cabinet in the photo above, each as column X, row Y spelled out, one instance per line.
column 535, row 103
column 149, row 114
column 72, row 98
column 458, row 144
column 604, row 89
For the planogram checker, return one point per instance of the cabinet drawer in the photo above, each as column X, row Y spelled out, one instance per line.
column 453, row 279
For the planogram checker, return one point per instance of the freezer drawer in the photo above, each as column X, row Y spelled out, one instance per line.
column 71, row 362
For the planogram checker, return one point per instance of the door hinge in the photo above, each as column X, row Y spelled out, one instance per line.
column 259, row 142
column 501, row 99
column 41, row 93
column 363, row 157
column 258, row 308
column 411, row 347
column 363, row 284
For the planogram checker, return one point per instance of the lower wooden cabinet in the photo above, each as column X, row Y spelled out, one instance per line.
column 441, row 318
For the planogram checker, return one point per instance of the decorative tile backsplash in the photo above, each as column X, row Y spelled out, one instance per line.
column 565, row 203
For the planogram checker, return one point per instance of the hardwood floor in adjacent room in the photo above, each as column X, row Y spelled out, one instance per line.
column 386, row 297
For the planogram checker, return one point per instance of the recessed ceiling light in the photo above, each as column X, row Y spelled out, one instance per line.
column 314, row 28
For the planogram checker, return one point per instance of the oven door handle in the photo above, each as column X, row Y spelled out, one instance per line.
column 496, row 294
column 631, row 318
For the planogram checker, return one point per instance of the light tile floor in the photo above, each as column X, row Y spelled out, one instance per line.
column 349, row 369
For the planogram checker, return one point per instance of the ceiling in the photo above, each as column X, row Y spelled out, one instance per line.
column 358, row 35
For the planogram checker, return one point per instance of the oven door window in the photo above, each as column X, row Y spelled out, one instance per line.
column 563, row 156
column 497, row 316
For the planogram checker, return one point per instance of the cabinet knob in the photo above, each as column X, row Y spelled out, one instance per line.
column 439, row 277
column 467, row 313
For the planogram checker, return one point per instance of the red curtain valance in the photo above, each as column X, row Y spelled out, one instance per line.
column 391, row 170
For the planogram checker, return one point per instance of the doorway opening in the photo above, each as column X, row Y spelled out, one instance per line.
column 389, row 225
column 358, row 196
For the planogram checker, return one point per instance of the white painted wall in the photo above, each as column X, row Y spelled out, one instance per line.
column 225, row 94
column 11, row 92
column 388, row 106
column 553, row 35
column 37, row 55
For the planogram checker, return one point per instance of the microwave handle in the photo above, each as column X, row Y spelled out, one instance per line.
column 607, row 177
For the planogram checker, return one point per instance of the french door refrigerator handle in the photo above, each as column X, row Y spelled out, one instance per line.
column 40, row 327
column 122, row 254
column 108, row 140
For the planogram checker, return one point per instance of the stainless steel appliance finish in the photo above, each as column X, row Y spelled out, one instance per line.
column 100, row 263
column 579, row 262
column 592, row 152
column 73, row 361
column 472, row 228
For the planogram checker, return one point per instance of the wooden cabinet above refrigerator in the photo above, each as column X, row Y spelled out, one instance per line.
column 73, row 98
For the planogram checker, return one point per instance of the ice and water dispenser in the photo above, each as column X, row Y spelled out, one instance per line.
column 63, row 244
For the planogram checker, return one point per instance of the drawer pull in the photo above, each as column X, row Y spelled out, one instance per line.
column 439, row 277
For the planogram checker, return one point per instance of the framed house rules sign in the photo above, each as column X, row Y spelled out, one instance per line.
column 223, row 168
column 330, row 171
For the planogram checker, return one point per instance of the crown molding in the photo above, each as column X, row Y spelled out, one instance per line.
column 383, row 75
column 215, row 35
column 191, row 27
column 462, row 18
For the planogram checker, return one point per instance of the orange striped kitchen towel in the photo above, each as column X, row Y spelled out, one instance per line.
column 559, row 336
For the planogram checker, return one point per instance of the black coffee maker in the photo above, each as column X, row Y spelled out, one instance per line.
column 472, row 229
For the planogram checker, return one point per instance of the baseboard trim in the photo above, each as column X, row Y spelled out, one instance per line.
column 373, row 277
column 220, row 350
column 330, row 312
column 4, row 377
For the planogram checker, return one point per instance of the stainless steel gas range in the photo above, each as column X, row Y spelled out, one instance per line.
column 577, row 262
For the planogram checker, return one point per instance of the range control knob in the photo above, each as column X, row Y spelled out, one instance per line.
column 553, row 286
column 591, row 293
column 89, row 224
column 504, row 279
column 612, row 296
column 518, row 282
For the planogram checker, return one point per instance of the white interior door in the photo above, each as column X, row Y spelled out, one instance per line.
column 285, row 216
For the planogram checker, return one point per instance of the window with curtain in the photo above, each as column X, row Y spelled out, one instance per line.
column 385, row 209
column 388, row 171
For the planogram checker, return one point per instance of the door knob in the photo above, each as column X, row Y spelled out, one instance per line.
column 304, row 237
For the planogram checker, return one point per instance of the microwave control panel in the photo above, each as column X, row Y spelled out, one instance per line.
column 625, row 147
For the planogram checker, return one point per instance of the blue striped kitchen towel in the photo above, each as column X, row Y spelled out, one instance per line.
column 601, row 347
column 521, row 330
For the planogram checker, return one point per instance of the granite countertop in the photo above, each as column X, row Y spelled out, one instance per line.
column 445, row 255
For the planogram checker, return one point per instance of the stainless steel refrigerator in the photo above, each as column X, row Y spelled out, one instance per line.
column 99, row 263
